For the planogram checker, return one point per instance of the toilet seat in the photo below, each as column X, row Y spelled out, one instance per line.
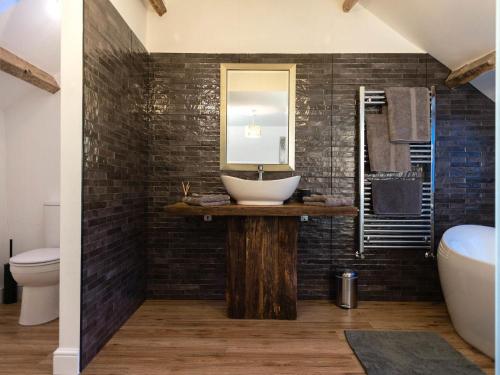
column 36, row 258
column 35, row 269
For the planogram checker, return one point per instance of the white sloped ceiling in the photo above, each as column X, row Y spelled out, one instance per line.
column 31, row 30
column 270, row 26
column 453, row 31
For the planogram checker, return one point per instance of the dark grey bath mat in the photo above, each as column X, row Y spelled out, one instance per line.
column 408, row 353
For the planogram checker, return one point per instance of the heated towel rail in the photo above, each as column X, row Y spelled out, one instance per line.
column 385, row 232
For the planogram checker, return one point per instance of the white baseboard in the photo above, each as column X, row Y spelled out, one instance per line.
column 67, row 361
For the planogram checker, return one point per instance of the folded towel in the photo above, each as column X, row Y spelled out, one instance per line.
column 409, row 114
column 213, row 204
column 197, row 201
column 385, row 156
column 210, row 197
column 317, row 198
column 397, row 197
column 327, row 200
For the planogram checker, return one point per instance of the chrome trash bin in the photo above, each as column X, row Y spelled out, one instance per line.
column 347, row 289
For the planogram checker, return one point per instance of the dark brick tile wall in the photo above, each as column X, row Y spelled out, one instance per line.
column 186, row 256
column 153, row 121
column 465, row 191
column 115, row 177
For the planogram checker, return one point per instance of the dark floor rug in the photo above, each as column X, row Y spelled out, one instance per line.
column 408, row 353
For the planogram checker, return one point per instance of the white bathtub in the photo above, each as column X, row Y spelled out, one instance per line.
column 466, row 263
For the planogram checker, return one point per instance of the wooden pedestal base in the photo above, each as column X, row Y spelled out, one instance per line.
column 262, row 267
column 261, row 255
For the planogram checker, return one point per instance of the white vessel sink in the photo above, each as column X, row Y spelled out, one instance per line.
column 260, row 192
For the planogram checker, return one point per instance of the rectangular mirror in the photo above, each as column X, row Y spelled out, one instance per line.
column 257, row 117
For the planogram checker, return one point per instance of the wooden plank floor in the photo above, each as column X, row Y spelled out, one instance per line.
column 196, row 338
column 25, row 350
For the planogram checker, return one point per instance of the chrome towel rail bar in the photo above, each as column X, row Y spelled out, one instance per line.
column 382, row 232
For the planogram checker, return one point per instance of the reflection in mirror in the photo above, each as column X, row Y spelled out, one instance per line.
column 257, row 117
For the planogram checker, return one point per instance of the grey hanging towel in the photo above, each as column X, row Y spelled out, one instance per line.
column 397, row 197
column 385, row 156
column 408, row 114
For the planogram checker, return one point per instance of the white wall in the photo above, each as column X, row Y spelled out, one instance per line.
column 264, row 26
column 4, row 236
column 486, row 84
column 29, row 123
column 67, row 355
column 29, row 169
column 134, row 12
column 33, row 164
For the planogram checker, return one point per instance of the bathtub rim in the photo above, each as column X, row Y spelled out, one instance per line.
column 459, row 254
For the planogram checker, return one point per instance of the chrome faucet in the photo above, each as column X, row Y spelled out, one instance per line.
column 260, row 171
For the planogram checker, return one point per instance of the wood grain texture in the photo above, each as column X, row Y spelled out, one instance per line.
column 159, row 7
column 25, row 350
column 348, row 5
column 290, row 209
column 235, row 261
column 20, row 68
column 471, row 70
column 262, row 267
column 196, row 338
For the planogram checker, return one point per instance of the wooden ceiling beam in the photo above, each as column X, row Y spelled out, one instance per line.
column 471, row 70
column 349, row 4
column 16, row 66
column 159, row 6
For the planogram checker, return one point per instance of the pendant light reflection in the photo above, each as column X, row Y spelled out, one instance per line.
column 252, row 130
column 53, row 8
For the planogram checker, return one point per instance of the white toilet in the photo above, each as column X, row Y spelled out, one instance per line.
column 38, row 272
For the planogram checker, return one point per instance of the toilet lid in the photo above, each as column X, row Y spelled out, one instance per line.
column 37, row 256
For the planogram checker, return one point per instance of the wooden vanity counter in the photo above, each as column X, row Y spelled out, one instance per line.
column 261, row 251
column 290, row 209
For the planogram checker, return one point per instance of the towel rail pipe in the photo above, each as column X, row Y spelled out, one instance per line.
column 395, row 233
